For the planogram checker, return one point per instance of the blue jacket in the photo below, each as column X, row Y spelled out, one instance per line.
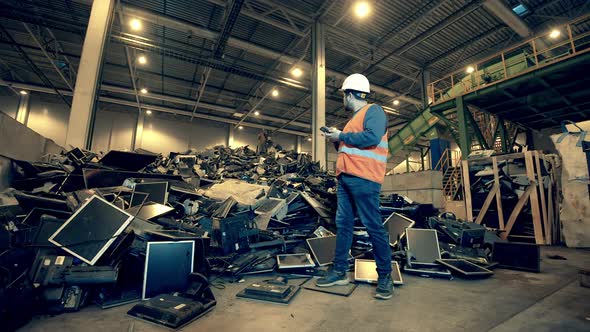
column 375, row 125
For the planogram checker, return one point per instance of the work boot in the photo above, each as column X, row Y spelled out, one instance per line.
column 333, row 278
column 384, row 288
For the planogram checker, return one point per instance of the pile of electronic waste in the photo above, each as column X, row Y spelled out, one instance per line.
column 79, row 229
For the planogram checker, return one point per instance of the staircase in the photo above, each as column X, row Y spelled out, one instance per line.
column 452, row 183
column 450, row 165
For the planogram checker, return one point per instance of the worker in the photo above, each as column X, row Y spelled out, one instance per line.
column 262, row 146
column 360, row 170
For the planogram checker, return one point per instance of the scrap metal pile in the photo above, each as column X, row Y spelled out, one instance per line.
column 78, row 229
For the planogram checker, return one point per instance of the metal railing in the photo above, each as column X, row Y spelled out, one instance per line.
column 450, row 165
column 449, row 158
column 559, row 44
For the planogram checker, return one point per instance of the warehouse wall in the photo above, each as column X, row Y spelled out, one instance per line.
column 164, row 134
column 8, row 102
column 113, row 130
column 246, row 136
column 48, row 116
column 115, row 125
column 305, row 145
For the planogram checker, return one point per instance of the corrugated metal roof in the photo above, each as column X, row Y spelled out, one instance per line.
column 378, row 38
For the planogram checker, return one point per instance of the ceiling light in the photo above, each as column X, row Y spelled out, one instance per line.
column 297, row 72
column 396, row 102
column 362, row 9
column 148, row 112
column 555, row 34
column 143, row 91
column 135, row 24
column 309, row 139
column 275, row 93
column 142, row 60
column 470, row 70
column 241, row 127
column 257, row 113
column 23, row 92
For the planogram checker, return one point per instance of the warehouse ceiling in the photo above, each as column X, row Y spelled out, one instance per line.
column 221, row 59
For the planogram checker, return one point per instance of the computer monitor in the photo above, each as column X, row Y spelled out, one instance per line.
column 323, row 249
column 294, row 261
column 518, row 256
column 396, row 225
column 365, row 270
column 149, row 210
column 465, row 268
column 137, row 198
column 89, row 232
column 157, row 191
column 167, row 267
column 423, row 244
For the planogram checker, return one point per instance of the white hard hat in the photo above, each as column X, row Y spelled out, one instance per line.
column 357, row 82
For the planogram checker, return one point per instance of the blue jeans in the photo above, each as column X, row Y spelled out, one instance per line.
column 361, row 197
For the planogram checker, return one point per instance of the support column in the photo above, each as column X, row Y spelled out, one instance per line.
column 422, row 163
column 81, row 121
column 464, row 137
column 22, row 112
column 318, row 91
column 138, row 135
column 503, row 135
column 425, row 80
column 230, row 136
column 298, row 144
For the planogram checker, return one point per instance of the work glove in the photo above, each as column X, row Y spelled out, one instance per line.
column 333, row 135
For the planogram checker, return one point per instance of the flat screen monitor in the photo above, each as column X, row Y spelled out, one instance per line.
column 293, row 261
column 323, row 249
column 396, row 225
column 149, row 210
column 517, row 256
column 423, row 244
column 464, row 267
column 137, row 198
column 127, row 160
column 167, row 267
column 89, row 232
column 365, row 270
column 157, row 191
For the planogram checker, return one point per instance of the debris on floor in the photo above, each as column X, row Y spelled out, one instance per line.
column 80, row 229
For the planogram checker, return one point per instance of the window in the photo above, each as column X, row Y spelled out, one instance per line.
column 520, row 10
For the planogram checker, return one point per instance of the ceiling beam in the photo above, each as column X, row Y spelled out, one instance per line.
column 465, row 44
column 59, row 72
column 181, row 25
column 506, row 15
column 252, row 13
column 459, row 14
column 32, row 65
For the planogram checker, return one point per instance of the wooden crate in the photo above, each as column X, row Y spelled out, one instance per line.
column 543, row 203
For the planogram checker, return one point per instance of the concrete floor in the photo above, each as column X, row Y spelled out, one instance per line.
column 508, row 301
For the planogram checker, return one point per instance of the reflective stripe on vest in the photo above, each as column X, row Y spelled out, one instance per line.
column 368, row 163
column 364, row 153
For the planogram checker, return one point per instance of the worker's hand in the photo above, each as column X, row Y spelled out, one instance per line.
column 333, row 135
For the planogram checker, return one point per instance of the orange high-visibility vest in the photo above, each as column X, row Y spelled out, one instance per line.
column 368, row 163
